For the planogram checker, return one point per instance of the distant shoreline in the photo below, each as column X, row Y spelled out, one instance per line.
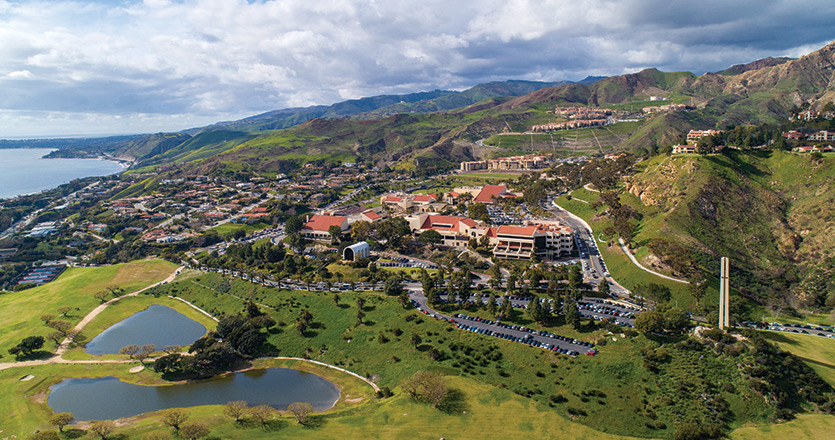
column 124, row 165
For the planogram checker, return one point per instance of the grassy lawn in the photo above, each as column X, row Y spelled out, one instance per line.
column 805, row 426
column 816, row 351
column 20, row 311
column 229, row 228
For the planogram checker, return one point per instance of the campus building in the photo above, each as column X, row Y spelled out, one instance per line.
column 455, row 231
column 356, row 251
column 544, row 241
column 317, row 227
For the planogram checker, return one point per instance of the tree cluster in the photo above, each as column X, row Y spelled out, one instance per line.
column 236, row 337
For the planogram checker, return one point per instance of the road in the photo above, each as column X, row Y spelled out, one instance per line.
column 594, row 268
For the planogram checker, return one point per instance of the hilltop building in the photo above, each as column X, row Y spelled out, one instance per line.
column 507, row 163
column 695, row 136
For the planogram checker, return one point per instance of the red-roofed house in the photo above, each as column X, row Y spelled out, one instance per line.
column 454, row 230
column 370, row 216
column 317, row 227
column 490, row 193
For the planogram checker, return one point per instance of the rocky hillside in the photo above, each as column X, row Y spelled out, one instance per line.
column 768, row 211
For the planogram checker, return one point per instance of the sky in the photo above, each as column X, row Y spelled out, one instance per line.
column 120, row 66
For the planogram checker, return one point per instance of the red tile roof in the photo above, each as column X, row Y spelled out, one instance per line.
column 323, row 222
column 372, row 215
column 489, row 192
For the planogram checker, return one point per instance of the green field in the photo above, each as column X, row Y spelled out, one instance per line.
column 230, row 228
column 818, row 352
column 547, row 394
column 20, row 311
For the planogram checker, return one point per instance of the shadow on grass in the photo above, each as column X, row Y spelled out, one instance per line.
column 453, row 403
column 74, row 433
column 315, row 422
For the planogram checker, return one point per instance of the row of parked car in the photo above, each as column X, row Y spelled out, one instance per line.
column 528, row 339
column 806, row 329
column 524, row 329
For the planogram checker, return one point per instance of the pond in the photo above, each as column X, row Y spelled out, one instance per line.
column 158, row 325
column 109, row 398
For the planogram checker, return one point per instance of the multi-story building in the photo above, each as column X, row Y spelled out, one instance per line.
column 507, row 163
column 685, row 149
column 318, row 226
column 822, row 136
column 544, row 241
column 696, row 135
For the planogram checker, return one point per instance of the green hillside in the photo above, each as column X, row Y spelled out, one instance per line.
column 768, row 211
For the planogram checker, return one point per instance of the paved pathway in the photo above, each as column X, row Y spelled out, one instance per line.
column 632, row 258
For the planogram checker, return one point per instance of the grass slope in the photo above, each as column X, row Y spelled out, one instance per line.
column 20, row 311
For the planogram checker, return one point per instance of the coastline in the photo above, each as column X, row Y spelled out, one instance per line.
column 123, row 164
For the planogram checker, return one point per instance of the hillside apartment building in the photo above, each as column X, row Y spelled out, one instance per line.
column 507, row 163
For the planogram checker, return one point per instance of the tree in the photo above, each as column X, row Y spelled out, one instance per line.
column 572, row 315
column 64, row 311
column 428, row 386
column 649, row 322
column 603, row 289
column 45, row 435
column 430, row 236
column 392, row 286
column 676, row 320
column 361, row 230
column 505, row 308
column 129, row 350
column 56, row 337
column 335, row 233
column 62, row 326
column 47, row 318
column 144, row 352
column 360, row 316
column 193, row 430
column 101, row 295
column 102, row 428
column 656, row 292
column 262, row 413
column 293, row 225
column 236, row 409
column 301, row 410
column 27, row 346
column 535, row 310
column 492, row 308
column 393, row 230
column 171, row 349
column 415, row 340
column 61, row 420
column 478, row 211
column 175, row 418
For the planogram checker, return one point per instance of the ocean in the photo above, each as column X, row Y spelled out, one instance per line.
column 23, row 171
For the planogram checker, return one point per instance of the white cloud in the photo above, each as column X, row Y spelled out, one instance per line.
column 191, row 61
column 20, row 74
